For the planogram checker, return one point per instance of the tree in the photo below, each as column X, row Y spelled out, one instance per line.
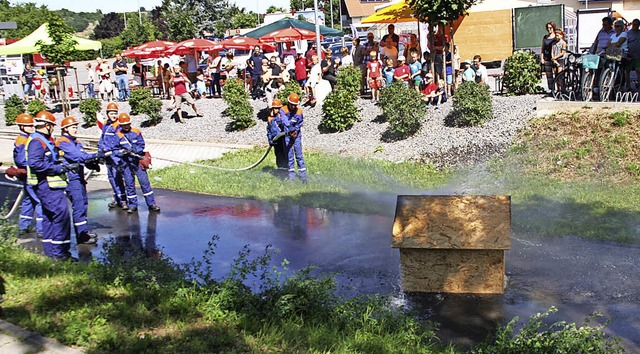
column 180, row 25
column 244, row 20
column 137, row 33
column 160, row 23
column 110, row 25
column 439, row 12
column 274, row 9
column 27, row 16
column 298, row 5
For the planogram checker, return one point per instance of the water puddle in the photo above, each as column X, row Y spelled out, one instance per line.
column 577, row 276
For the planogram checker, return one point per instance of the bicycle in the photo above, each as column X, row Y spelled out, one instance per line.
column 590, row 64
column 568, row 82
column 611, row 80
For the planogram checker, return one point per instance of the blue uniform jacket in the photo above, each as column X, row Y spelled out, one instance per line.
column 274, row 127
column 291, row 120
column 74, row 152
column 131, row 140
column 109, row 141
column 18, row 150
column 42, row 161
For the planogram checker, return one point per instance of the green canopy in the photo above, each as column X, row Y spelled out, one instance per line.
column 27, row 45
column 289, row 22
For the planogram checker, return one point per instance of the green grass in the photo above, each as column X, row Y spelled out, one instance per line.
column 336, row 183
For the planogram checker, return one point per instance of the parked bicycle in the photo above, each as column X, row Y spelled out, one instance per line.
column 567, row 84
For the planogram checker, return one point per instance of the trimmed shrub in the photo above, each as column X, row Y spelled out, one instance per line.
column 238, row 107
column 289, row 87
column 36, row 106
column 339, row 111
column 472, row 105
column 349, row 79
column 90, row 108
column 522, row 73
column 12, row 107
column 142, row 102
column 403, row 108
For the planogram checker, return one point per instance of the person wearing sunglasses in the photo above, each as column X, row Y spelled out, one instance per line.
column 546, row 57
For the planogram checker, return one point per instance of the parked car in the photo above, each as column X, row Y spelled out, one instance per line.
column 335, row 49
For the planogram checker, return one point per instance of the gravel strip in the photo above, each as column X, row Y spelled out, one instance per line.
column 435, row 142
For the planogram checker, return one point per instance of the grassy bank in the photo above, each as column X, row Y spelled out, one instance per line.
column 345, row 184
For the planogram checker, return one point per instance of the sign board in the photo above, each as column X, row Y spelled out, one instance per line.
column 589, row 24
column 14, row 65
column 529, row 24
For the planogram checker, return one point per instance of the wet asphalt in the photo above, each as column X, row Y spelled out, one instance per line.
column 577, row 276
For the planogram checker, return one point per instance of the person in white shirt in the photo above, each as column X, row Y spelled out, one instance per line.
column 389, row 51
column 619, row 38
column 347, row 59
column 481, row 71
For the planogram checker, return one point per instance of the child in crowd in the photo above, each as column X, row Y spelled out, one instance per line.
column 415, row 69
column 402, row 72
column 388, row 72
column 374, row 75
column 432, row 92
column 201, row 87
column 301, row 69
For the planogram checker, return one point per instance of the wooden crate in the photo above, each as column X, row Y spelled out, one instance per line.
column 452, row 243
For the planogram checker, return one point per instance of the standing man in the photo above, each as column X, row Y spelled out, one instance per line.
column 27, row 81
column 603, row 36
column 120, row 67
column 30, row 203
column 77, row 185
column 392, row 34
column 48, row 177
column 357, row 53
column 256, row 81
column 107, row 143
column 180, row 82
column 292, row 121
column 633, row 54
column 136, row 163
column 192, row 65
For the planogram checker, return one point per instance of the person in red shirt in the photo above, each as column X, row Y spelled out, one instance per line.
column 402, row 72
column 431, row 92
column 301, row 69
column 180, row 83
column 374, row 75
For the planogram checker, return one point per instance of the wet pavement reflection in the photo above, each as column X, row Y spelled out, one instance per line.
column 577, row 276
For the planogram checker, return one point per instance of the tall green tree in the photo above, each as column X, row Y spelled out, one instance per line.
column 137, row 33
column 62, row 45
column 324, row 6
column 297, row 5
column 273, row 9
column 27, row 16
column 244, row 20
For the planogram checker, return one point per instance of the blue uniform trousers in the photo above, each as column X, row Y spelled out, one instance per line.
column 30, row 204
column 280, row 150
column 77, row 193
column 115, row 176
column 56, row 223
column 294, row 153
column 131, row 171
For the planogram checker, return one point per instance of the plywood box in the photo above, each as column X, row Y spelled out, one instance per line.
column 487, row 33
column 452, row 244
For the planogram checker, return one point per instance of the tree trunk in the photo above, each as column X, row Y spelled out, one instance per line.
column 432, row 50
column 454, row 70
column 444, row 55
column 63, row 94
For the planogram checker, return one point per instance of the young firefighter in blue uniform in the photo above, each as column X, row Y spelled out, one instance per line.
column 77, row 188
column 30, row 203
column 292, row 120
column 108, row 142
column 47, row 174
column 275, row 135
column 135, row 163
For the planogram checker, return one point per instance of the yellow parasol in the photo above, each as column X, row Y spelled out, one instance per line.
column 398, row 12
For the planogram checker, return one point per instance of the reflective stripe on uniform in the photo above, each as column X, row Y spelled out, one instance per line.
column 80, row 223
column 26, row 217
column 132, row 197
column 146, row 194
column 55, row 242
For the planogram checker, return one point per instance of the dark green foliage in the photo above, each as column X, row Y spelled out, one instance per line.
column 339, row 111
column 62, row 43
column 79, row 20
column 12, row 107
column 26, row 14
column 111, row 46
column 142, row 102
column 289, row 87
column 36, row 106
column 522, row 73
column 472, row 105
column 89, row 108
column 238, row 107
column 442, row 11
column 349, row 79
column 560, row 337
column 403, row 108
column 622, row 118
column 110, row 25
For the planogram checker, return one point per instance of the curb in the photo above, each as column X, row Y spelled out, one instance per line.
column 47, row 345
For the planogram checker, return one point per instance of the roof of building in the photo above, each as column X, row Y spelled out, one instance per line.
column 358, row 8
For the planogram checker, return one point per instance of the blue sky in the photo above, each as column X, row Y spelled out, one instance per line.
column 132, row 5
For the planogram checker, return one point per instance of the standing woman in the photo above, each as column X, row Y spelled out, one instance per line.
column 547, row 53
column 559, row 52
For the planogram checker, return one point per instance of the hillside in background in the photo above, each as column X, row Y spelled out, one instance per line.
column 80, row 20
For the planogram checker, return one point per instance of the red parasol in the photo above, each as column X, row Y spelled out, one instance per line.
column 197, row 44
column 245, row 43
column 289, row 35
column 155, row 46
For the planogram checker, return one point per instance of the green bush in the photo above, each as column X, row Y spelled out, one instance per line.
column 238, row 107
column 89, row 108
column 111, row 46
column 403, row 108
column 522, row 73
column 559, row 337
column 349, row 79
column 142, row 102
column 621, row 118
column 472, row 105
column 289, row 87
column 339, row 111
column 36, row 106
column 12, row 107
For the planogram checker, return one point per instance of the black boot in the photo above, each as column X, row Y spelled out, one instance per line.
column 154, row 208
column 132, row 210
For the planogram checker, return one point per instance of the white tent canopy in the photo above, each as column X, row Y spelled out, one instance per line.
column 27, row 45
